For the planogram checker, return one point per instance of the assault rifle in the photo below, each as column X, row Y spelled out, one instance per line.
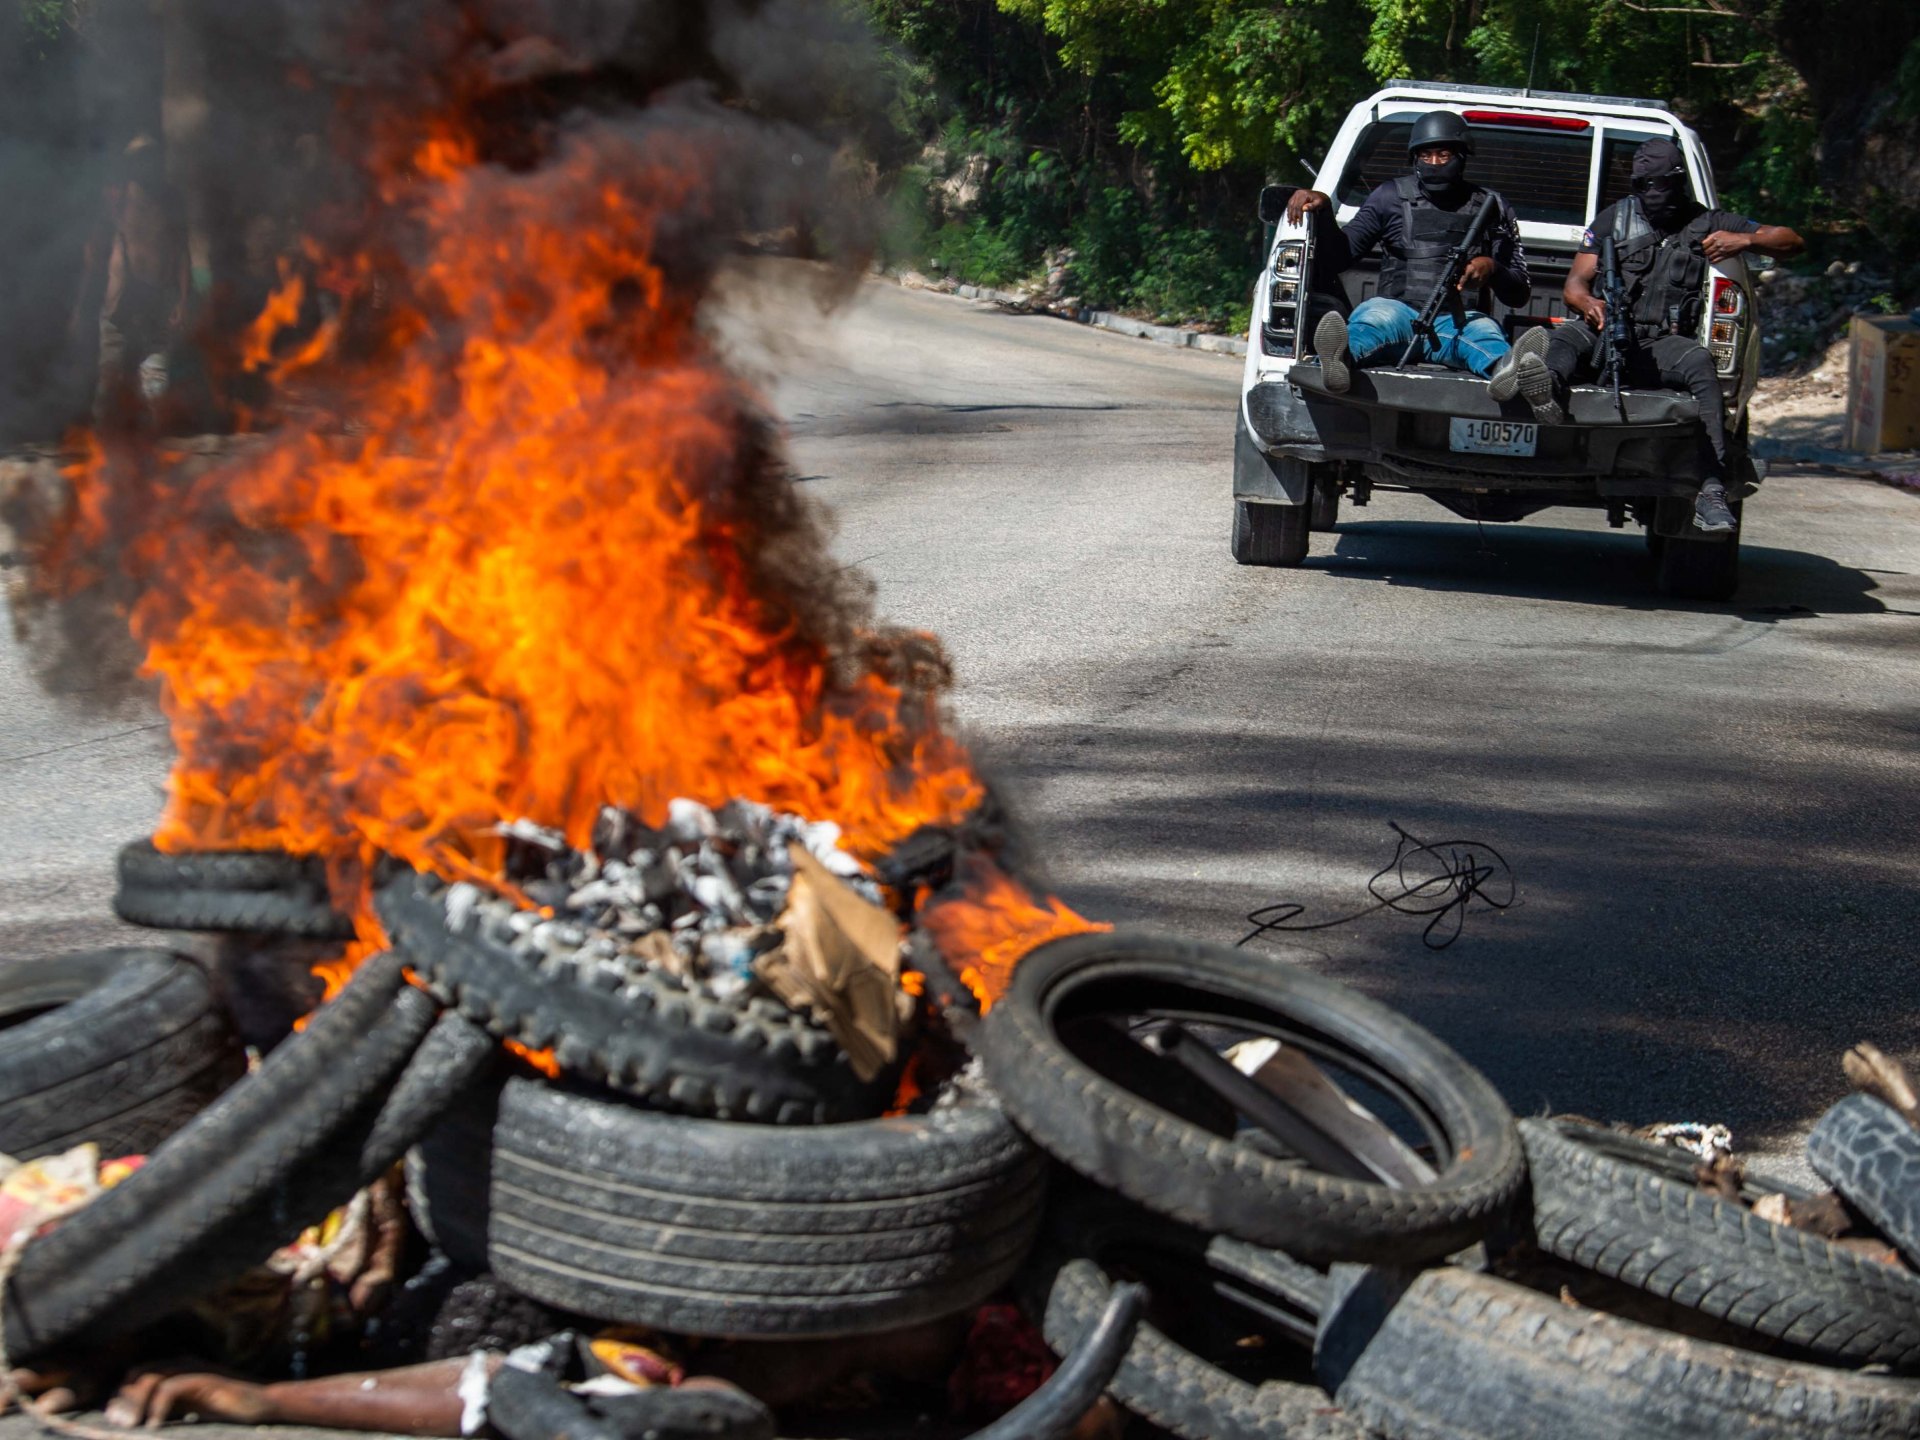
column 1457, row 259
column 1618, row 332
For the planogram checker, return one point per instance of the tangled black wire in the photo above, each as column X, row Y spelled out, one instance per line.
column 1440, row 880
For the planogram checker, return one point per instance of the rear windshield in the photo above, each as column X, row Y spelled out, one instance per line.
column 1542, row 173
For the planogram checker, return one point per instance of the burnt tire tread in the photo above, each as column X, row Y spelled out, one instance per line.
column 139, row 1047
column 208, row 1197
column 1465, row 1354
column 710, row 1227
column 255, row 912
column 1671, row 1239
column 671, row 1046
column 1867, row 1151
column 142, row 866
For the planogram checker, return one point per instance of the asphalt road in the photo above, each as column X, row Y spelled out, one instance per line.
column 1708, row 809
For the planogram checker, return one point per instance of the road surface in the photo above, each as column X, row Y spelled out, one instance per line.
column 1709, row 809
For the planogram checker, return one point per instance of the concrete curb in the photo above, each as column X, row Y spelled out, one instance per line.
column 1901, row 469
column 1100, row 319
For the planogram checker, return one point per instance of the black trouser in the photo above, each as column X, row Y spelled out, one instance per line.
column 1667, row 362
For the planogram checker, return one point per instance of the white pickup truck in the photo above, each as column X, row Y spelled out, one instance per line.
column 1558, row 159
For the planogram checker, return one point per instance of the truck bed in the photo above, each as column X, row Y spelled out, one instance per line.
column 1396, row 421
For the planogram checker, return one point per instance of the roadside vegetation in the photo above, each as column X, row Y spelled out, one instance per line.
column 1113, row 150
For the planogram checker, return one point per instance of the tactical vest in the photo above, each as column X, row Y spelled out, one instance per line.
column 1410, row 270
column 1665, row 274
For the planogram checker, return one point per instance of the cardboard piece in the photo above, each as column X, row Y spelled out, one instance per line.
column 839, row 958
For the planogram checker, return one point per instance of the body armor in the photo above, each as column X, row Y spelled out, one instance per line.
column 1410, row 269
column 1665, row 272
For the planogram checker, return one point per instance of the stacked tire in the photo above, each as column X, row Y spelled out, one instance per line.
column 117, row 1047
column 707, row 1227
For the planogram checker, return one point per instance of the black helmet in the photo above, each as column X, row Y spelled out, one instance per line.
column 1439, row 127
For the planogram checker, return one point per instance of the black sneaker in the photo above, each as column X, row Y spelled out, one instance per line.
column 1523, row 371
column 1330, row 344
column 1711, row 512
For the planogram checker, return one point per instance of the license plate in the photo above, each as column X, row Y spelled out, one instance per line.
column 1492, row 437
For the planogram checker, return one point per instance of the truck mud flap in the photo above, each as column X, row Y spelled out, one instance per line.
column 1274, row 479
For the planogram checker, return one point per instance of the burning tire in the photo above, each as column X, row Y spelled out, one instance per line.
column 1867, row 1151
column 659, row 1038
column 715, row 1228
column 260, row 892
column 1631, row 1210
column 1196, row 1386
column 140, row 866
column 1117, row 1111
column 1453, row 1353
column 254, row 912
column 272, row 1155
column 120, row 1047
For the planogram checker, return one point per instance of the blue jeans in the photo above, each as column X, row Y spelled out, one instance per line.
column 1380, row 328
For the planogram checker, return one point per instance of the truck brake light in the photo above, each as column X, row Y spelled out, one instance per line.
column 1527, row 120
column 1726, row 323
column 1286, row 300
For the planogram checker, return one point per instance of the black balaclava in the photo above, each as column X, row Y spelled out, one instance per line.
column 1442, row 182
column 1660, row 180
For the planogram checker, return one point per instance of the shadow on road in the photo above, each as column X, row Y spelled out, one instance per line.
column 1587, row 567
column 1687, row 944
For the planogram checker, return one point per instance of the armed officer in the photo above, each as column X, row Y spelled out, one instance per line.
column 1664, row 239
column 1417, row 220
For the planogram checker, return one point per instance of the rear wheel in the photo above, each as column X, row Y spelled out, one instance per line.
column 1323, row 505
column 1699, row 569
column 1270, row 534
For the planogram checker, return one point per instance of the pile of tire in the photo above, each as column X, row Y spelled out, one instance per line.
column 716, row 1168
column 1296, row 1297
column 709, row 1166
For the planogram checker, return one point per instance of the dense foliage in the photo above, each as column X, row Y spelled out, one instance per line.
column 1135, row 134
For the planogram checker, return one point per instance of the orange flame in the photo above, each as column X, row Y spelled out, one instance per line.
column 536, row 562
column 993, row 923
column 531, row 584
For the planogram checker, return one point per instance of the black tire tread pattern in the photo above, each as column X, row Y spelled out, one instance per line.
column 1176, row 1389
column 1269, row 534
column 707, row 1227
column 141, row 866
column 1193, row 1175
column 1672, row 1239
column 256, row 912
column 1867, row 1151
column 1463, row 1354
column 667, row 1044
column 140, row 1047
column 100, row 1266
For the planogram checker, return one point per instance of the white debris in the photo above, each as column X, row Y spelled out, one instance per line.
column 698, row 896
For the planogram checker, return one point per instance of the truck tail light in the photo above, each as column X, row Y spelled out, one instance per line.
column 1726, row 324
column 1287, row 299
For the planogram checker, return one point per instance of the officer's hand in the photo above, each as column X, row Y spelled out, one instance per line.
column 1725, row 244
column 1479, row 270
column 1594, row 311
column 1301, row 202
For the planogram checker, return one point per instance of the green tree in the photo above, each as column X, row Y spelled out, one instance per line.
column 1219, row 82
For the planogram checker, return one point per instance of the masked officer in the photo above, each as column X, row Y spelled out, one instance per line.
column 1417, row 220
column 1665, row 240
